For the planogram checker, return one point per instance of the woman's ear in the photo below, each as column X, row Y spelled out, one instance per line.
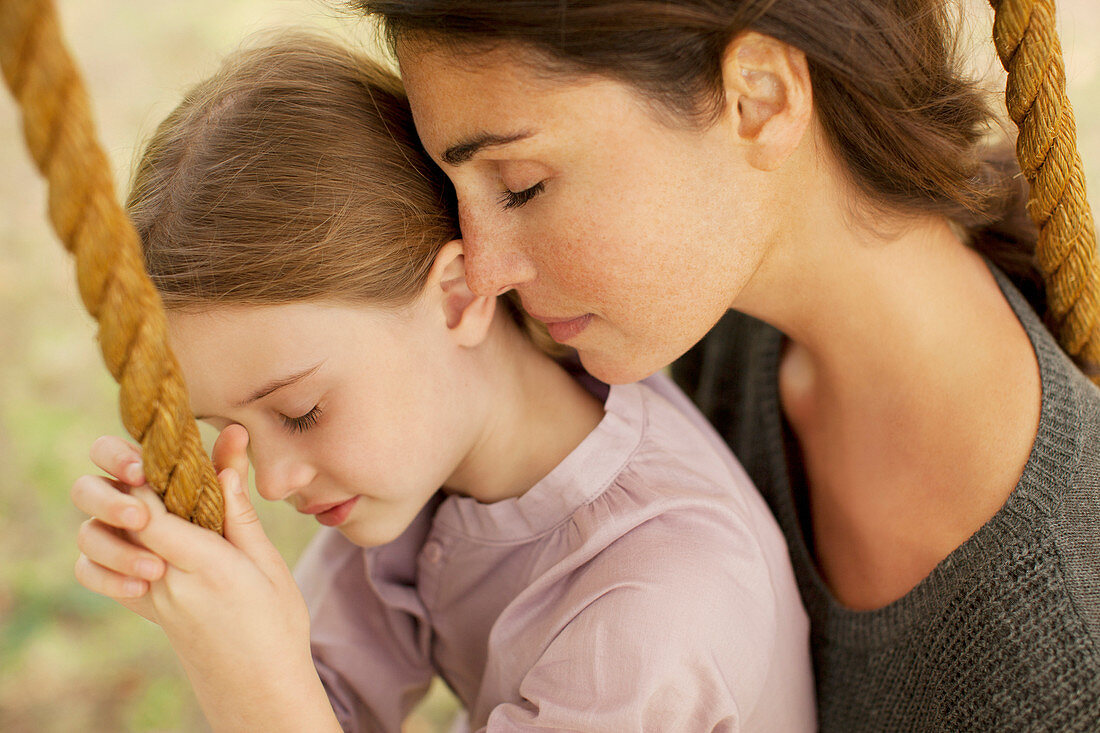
column 769, row 99
column 467, row 315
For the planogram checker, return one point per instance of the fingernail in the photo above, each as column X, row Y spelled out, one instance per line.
column 133, row 587
column 136, row 473
column 147, row 569
column 131, row 517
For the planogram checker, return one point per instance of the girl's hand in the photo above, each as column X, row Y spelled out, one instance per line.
column 111, row 562
column 188, row 576
column 229, row 605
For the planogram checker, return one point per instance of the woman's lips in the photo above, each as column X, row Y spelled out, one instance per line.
column 332, row 515
column 564, row 329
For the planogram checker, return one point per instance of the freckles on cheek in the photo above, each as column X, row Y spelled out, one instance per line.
column 579, row 262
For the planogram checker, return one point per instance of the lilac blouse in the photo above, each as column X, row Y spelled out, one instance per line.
column 642, row 585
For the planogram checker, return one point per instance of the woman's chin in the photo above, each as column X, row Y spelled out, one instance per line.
column 619, row 368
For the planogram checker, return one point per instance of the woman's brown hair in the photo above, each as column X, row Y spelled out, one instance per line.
column 910, row 128
column 293, row 173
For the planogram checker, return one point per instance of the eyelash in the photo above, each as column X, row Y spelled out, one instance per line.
column 304, row 422
column 515, row 199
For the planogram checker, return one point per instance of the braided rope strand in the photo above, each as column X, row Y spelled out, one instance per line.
column 1027, row 42
column 87, row 217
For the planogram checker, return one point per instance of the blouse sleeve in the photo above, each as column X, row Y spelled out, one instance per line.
column 368, row 636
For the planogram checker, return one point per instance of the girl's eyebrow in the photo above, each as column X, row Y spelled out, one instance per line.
column 272, row 386
column 279, row 384
column 462, row 151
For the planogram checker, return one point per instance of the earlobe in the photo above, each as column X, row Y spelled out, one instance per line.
column 768, row 97
column 466, row 315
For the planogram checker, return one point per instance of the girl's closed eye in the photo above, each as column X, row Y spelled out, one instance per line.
column 304, row 422
column 514, row 199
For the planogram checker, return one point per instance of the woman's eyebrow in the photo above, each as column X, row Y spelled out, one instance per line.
column 461, row 152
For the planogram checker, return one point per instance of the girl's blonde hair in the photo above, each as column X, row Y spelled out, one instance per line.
column 293, row 173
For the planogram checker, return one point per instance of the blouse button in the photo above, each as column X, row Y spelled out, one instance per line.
column 433, row 553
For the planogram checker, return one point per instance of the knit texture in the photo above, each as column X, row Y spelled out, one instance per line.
column 1004, row 635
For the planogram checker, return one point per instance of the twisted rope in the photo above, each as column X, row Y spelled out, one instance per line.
column 1027, row 42
column 133, row 334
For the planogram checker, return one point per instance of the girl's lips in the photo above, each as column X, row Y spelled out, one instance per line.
column 563, row 330
column 335, row 516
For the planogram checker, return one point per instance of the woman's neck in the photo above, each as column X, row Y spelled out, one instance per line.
column 536, row 414
column 913, row 391
column 864, row 306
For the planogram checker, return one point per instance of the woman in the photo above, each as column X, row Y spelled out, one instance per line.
column 579, row 529
column 636, row 169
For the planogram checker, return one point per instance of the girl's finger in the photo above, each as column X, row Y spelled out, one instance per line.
column 107, row 501
column 242, row 525
column 118, row 458
column 104, row 547
column 106, row 582
column 183, row 545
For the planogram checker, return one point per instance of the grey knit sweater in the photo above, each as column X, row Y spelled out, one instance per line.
column 1004, row 635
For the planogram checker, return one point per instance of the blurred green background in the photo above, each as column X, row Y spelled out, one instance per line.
column 70, row 660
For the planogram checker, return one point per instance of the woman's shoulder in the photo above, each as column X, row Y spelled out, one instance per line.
column 1065, row 456
column 1087, row 396
column 1074, row 477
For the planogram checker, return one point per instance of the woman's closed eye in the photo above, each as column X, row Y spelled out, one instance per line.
column 514, row 199
column 304, row 422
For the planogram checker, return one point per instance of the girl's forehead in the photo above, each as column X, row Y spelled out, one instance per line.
column 218, row 341
column 248, row 326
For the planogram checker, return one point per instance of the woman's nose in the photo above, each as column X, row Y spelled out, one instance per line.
column 495, row 261
column 279, row 473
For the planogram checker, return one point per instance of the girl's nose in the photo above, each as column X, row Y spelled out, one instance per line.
column 280, row 475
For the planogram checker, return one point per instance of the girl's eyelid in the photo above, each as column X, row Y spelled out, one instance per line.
column 299, row 421
column 303, row 422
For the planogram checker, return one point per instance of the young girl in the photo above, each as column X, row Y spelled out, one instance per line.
column 564, row 555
